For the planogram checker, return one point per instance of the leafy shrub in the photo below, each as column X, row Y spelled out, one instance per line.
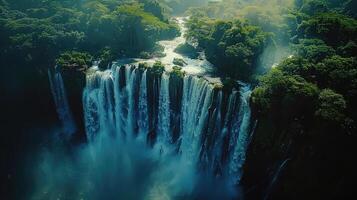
column 74, row 59
column 177, row 72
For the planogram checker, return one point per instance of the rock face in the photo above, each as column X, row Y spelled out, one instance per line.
column 74, row 82
column 184, row 114
column 179, row 62
column 289, row 160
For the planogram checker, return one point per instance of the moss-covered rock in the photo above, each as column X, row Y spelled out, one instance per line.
column 228, row 84
column 179, row 62
column 187, row 50
column 157, row 69
column 145, row 55
column 143, row 66
column 177, row 72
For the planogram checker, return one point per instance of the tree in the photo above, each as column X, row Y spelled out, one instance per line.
column 331, row 106
column 334, row 29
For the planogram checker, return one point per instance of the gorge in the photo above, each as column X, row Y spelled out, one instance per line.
column 178, row 99
column 191, row 129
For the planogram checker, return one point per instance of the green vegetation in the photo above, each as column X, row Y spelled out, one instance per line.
column 157, row 68
column 232, row 46
column 331, row 107
column 177, row 72
column 187, row 50
column 178, row 7
column 321, row 61
column 305, row 106
column 37, row 32
column 106, row 56
column 179, row 62
column 143, row 66
column 271, row 16
column 308, row 101
column 74, row 59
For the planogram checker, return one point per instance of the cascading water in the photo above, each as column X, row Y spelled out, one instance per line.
column 143, row 121
column 60, row 98
column 152, row 135
column 163, row 126
column 214, row 125
column 238, row 156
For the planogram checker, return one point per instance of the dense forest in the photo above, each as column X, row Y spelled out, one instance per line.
column 299, row 57
column 305, row 105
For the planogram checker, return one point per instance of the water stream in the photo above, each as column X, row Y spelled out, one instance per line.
column 155, row 137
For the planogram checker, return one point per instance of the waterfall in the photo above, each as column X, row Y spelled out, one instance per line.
column 153, row 135
column 132, row 104
column 60, row 98
column 163, row 127
column 238, row 156
column 143, row 120
column 197, row 95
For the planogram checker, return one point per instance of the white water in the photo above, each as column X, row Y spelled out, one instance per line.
column 194, row 66
column 132, row 152
column 203, row 127
column 163, row 126
column 60, row 98
column 143, row 107
column 197, row 96
column 239, row 152
column 198, row 66
column 181, row 161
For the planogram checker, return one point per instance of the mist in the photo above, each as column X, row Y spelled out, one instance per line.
column 272, row 16
column 109, row 168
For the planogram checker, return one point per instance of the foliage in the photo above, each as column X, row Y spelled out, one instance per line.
column 233, row 46
column 74, row 59
column 271, row 16
column 325, row 59
column 187, row 50
column 143, row 66
column 331, row 106
column 313, row 49
column 292, row 94
column 106, row 56
column 179, row 62
column 177, row 72
column 136, row 10
column 39, row 31
column 180, row 6
column 333, row 28
column 157, row 68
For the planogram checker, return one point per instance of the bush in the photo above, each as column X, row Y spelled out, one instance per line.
column 145, row 55
column 177, row 72
column 158, row 68
column 233, row 46
column 143, row 66
column 106, row 57
column 331, row 106
column 179, row 62
column 187, row 50
column 74, row 59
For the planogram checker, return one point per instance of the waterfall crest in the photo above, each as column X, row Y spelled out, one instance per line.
column 128, row 103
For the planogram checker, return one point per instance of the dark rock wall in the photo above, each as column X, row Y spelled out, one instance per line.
column 319, row 160
column 74, row 82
